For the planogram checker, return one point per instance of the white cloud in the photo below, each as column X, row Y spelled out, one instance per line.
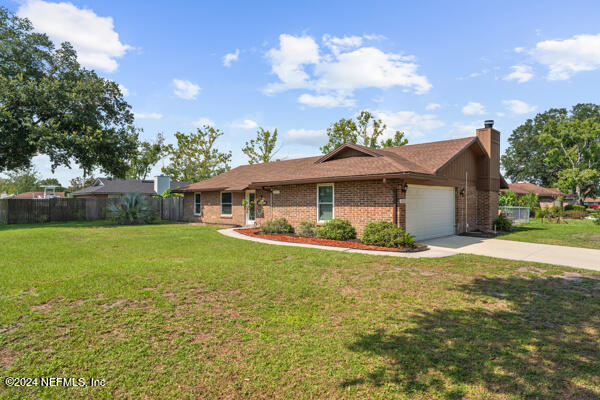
column 152, row 115
column 473, row 108
column 518, row 107
column 200, row 122
column 326, row 101
column 343, row 67
column 519, row 49
column 231, row 57
column 432, row 106
column 185, row 89
column 306, row 136
column 287, row 62
column 461, row 130
column 124, row 90
column 414, row 125
column 520, row 73
column 565, row 58
column 245, row 124
column 93, row 37
column 336, row 44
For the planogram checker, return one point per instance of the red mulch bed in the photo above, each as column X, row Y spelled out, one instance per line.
column 355, row 244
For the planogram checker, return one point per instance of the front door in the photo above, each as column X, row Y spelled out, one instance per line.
column 250, row 207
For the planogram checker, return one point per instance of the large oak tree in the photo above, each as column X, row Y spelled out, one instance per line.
column 50, row 105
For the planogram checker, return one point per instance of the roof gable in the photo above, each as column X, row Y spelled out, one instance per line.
column 348, row 150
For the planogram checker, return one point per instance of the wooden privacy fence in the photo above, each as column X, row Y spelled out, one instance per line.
column 31, row 211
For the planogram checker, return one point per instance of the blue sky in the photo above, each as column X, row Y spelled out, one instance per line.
column 435, row 70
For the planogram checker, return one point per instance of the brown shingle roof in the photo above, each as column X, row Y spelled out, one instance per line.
column 36, row 195
column 525, row 188
column 419, row 159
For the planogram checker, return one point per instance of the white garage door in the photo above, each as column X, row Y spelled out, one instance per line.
column 429, row 211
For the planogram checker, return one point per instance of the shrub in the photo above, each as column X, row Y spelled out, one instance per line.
column 132, row 209
column 596, row 216
column 503, row 224
column 540, row 212
column 307, row 229
column 555, row 211
column 575, row 214
column 336, row 229
column 279, row 225
column 386, row 234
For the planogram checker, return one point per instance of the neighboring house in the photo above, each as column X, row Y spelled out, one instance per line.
column 547, row 197
column 592, row 202
column 37, row 195
column 431, row 189
column 114, row 188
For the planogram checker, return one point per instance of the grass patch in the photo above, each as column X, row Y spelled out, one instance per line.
column 179, row 311
column 576, row 233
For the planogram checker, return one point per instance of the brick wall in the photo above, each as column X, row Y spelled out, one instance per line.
column 360, row 202
column 468, row 203
column 487, row 204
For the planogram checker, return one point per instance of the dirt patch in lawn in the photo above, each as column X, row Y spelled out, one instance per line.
column 7, row 357
column 353, row 244
column 47, row 306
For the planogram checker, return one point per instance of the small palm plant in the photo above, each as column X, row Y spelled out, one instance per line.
column 131, row 210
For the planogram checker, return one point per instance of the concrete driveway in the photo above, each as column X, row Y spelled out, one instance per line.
column 542, row 253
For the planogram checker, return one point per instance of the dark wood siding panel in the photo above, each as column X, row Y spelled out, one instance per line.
column 467, row 161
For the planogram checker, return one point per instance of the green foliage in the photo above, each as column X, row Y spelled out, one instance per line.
column 81, row 182
column 132, row 209
column 365, row 131
column 145, row 157
column 195, row 158
column 336, row 229
column 503, row 224
column 584, row 183
column 20, row 181
column 50, row 105
column 575, row 214
column 595, row 214
column 525, row 157
column 168, row 193
column 386, row 234
column 507, row 198
column 540, row 213
column 530, row 200
column 261, row 149
column 554, row 211
column 307, row 229
column 397, row 140
column 275, row 226
column 569, row 207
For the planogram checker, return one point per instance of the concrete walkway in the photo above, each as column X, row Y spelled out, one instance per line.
column 449, row 245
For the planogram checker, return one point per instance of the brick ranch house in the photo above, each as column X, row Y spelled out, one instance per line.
column 430, row 189
column 548, row 197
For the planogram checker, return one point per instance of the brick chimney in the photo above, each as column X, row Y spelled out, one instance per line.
column 488, row 182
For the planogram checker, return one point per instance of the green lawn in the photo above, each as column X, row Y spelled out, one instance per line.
column 584, row 233
column 179, row 311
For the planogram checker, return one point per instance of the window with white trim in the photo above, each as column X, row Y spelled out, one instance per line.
column 325, row 200
column 197, row 203
column 226, row 203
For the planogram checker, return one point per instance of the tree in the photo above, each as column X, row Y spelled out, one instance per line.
column 366, row 131
column 81, row 182
column 195, row 158
column 574, row 148
column 508, row 198
column 397, row 140
column 530, row 200
column 50, row 105
column 50, row 182
column 261, row 149
column 146, row 156
column 340, row 132
column 525, row 157
column 584, row 183
column 20, row 181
